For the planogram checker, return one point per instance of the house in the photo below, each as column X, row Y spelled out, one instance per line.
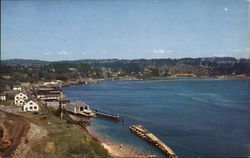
column 20, row 102
column 17, row 88
column 20, row 98
column 2, row 97
column 30, row 105
column 52, row 83
column 77, row 107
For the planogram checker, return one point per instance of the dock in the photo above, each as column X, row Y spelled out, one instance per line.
column 152, row 139
column 107, row 115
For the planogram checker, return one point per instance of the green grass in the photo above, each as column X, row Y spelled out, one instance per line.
column 7, row 102
column 70, row 140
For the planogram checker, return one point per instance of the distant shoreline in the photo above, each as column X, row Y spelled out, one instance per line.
column 152, row 80
column 126, row 80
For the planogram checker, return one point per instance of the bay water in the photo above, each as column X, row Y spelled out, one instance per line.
column 196, row 118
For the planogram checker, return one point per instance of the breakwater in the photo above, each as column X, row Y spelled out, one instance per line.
column 151, row 138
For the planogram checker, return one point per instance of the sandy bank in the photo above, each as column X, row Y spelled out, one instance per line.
column 33, row 136
column 117, row 150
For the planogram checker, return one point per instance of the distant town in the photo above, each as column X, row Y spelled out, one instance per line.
column 31, row 90
column 17, row 71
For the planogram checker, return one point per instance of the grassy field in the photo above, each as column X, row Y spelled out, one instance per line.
column 64, row 140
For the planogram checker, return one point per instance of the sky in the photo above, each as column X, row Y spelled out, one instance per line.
column 124, row 29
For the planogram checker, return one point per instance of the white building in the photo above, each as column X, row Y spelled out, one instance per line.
column 20, row 98
column 49, row 93
column 52, row 83
column 17, row 88
column 30, row 105
column 20, row 102
column 2, row 97
column 78, row 107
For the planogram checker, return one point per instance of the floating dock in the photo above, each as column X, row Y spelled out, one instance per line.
column 151, row 138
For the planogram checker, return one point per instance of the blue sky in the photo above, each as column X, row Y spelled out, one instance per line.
column 124, row 29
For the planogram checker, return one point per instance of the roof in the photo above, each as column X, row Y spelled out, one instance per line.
column 30, row 99
column 51, row 100
column 77, row 104
column 44, row 92
column 51, row 95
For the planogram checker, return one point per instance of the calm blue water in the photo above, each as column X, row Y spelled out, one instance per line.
column 195, row 118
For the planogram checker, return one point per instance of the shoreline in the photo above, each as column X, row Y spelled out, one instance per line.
column 167, row 79
column 160, row 79
column 115, row 149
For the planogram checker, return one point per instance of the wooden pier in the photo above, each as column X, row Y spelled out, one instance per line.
column 151, row 138
column 106, row 115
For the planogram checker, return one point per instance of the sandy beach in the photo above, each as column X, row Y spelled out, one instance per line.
column 117, row 150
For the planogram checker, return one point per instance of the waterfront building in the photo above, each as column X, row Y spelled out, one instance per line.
column 49, row 94
column 78, row 107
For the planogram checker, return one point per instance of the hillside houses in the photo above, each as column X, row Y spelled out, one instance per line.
column 26, row 101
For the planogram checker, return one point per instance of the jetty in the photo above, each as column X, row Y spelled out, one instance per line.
column 152, row 139
column 107, row 115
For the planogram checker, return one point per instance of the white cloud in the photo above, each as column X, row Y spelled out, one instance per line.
column 161, row 51
column 58, row 53
column 48, row 53
column 63, row 52
column 236, row 50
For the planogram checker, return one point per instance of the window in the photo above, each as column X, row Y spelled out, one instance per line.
column 31, row 103
column 21, row 101
column 31, row 107
column 17, row 97
column 21, row 94
column 81, row 108
column 35, row 107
